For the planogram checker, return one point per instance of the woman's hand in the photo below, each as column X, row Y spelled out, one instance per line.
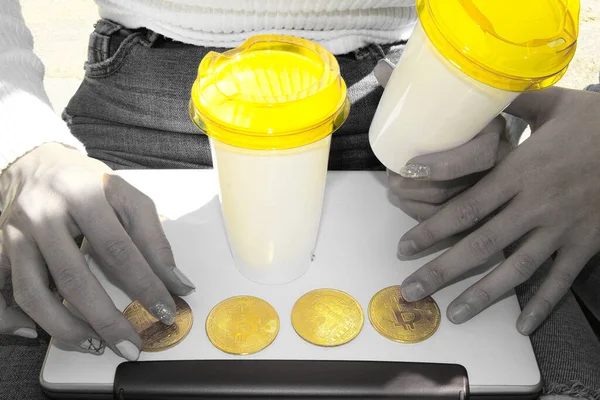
column 428, row 181
column 546, row 192
column 52, row 195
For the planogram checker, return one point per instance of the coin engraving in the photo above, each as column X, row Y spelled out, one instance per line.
column 155, row 335
column 327, row 317
column 242, row 325
column 401, row 321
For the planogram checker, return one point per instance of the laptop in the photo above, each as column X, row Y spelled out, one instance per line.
column 356, row 253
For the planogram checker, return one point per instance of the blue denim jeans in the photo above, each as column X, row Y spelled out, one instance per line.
column 131, row 111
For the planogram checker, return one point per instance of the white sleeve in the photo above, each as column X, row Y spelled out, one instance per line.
column 27, row 119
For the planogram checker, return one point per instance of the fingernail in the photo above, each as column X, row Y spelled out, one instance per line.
column 527, row 324
column 459, row 313
column 128, row 350
column 26, row 333
column 415, row 171
column 163, row 312
column 413, row 291
column 184, row 279
column 407, row 247
column 93, row 345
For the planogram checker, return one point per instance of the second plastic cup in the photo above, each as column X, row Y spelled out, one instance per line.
column 465, row 62
column 269, row 108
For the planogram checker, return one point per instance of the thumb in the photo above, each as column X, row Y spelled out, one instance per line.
column 538, row 106
column 13, row 321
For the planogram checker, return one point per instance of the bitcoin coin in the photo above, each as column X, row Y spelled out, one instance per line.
column 242, row 325
column 155, row 335
column 401, row 321
column 327, row 317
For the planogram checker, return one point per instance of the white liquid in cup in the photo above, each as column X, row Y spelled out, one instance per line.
column 429, row 106
column 271, row 202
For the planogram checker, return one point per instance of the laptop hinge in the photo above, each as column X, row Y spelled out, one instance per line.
column 289, row 379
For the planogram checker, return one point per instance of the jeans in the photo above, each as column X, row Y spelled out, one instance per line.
column 136, row 96
column 131, row 111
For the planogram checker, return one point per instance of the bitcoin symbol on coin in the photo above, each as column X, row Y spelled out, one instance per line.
column 408, row 320
column 402, row 317
column 242, row 324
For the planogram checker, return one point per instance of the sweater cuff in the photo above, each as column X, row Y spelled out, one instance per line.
column 31, row 123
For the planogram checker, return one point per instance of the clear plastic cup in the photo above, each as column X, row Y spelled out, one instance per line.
column 269, row 108
column 465, row 62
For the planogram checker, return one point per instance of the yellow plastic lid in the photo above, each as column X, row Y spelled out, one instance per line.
column 515, row 45
column 274, row 92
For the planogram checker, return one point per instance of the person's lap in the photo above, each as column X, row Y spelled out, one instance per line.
column 131, row 111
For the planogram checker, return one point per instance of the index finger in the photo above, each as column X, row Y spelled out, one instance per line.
column 122, row 260
column 139, row 218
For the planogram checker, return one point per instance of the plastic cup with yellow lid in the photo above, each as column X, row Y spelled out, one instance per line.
column 465, row 62
column 269, row 108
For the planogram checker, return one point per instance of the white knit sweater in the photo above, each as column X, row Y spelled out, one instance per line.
column 27, row 119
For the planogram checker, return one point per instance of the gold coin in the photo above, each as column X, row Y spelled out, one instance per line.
column 242, row 325
column 327, row 317
column 155, row 335
column 401, row 321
